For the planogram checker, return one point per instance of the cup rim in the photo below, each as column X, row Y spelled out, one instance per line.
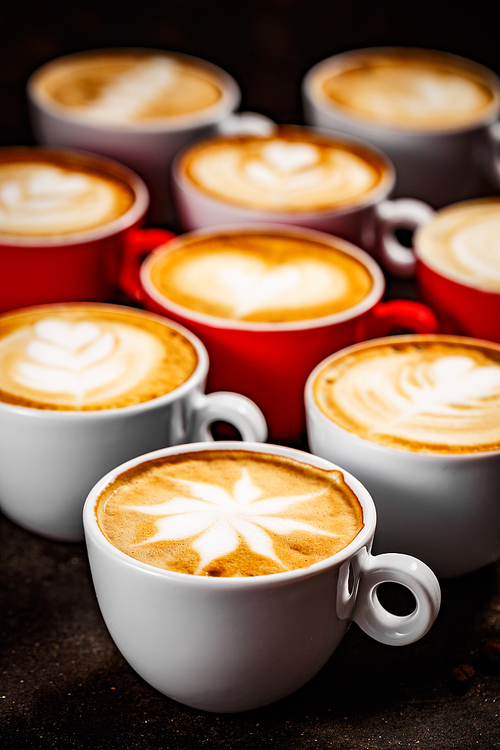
column 230, row 99
column 102, row 163
column 429, row 261
column 374, row 295
column 312, row 405
column 94, row 535
column 196, row 378
column 490, row 116
column 374, row 196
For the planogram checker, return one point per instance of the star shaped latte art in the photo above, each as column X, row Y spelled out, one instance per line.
column 219, row 520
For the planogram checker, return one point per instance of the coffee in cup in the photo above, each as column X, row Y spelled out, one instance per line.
column 418, row 418
column 63, row 219
column 229, row 513
column 428, row 110
column 85, row 386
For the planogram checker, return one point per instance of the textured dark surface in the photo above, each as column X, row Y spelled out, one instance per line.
column 62, row 682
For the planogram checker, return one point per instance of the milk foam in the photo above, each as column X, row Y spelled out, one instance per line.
column 436, row 398
column 76, row 363
column 405, row 91
column 38, row 198
column 278, row 173
column 255, row 504
column 463, row 241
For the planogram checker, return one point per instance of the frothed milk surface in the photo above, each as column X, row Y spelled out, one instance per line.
column 127, row 87
column 43, row 195
column 229, row 513
column 89, row 357
column 463, row 242
column 427, row 395
column 260, row 276
column 407, row 88
column 292, row 170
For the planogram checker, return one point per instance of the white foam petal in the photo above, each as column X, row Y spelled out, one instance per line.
column 274, row 505
column 219, row 540
column 288, row 525
column 170, row 507
column 259, row 542
column 181, row 526
column 210, row 493
column 244, row 491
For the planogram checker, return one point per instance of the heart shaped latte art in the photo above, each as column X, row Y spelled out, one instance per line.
column 290, row 157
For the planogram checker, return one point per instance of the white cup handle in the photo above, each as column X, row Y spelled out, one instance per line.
column 234, row 408
column 404, row 213
column 242, row 123
column 493, row 134
column 382, row 625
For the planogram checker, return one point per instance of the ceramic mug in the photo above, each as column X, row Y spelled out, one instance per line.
column 270, row 362
column 49, row 458
column 438, row 503
column 438, row 162
column 234, row 644
column 147, row 146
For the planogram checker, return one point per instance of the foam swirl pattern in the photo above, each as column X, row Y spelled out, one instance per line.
column 260, row 277
column 128, row 88
column 79, row 360
column 463, row 242
column 44, row 198
column 286, row 172
column 428, row 397
column 408, row 91
column 229, row 513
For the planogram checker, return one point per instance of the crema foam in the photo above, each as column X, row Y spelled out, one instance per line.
column 292, row 170
column 259, row 276
column 435, row 395
column 407, row 88
column 229, row 513
column 43, row 194
column 128, row 87
column 463, row 242
column 89, row 357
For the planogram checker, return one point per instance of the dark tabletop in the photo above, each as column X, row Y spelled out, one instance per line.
column 63, row 684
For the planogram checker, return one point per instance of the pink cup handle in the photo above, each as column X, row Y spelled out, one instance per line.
column 138, row 244
column 388, row 317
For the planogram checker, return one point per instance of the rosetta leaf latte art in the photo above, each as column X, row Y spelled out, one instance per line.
column 219, row 520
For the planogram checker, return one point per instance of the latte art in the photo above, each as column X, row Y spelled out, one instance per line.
column 407, row 88
column 259, row 277
column 430, row 396
column 113, row 87
column 45, row 196
column 82, row 357
column 290, row 171
column 463, row 242
column 229, row 513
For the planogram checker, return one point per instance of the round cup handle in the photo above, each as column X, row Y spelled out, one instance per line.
column 224, row 406
column 382, row 625
column 404, row 213
column 138, row 244
column 388, row 317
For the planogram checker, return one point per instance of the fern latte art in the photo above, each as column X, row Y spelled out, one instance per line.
column 423, row 393
column 229, row 513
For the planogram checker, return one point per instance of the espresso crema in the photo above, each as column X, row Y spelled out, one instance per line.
column 127, row 87
column 431, row 395
column 89, row 357
column 408, row 88
column 229, row 513
column 259, row 276
column 292, row 170
column 44, row 193
column 462, row 242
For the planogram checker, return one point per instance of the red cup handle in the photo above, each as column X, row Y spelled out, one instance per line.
column 138, row 244
column 388, row 317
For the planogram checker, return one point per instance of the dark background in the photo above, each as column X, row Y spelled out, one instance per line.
column 63, row 684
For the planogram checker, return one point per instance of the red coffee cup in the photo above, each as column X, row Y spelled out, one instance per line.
column 270, row 362
column 66, row 266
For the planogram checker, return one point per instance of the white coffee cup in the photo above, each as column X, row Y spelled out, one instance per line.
column 369, row 221
column 441, row 507
column 438, row 165
column 50, row 459
column 146, row 147
column 234, row 644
